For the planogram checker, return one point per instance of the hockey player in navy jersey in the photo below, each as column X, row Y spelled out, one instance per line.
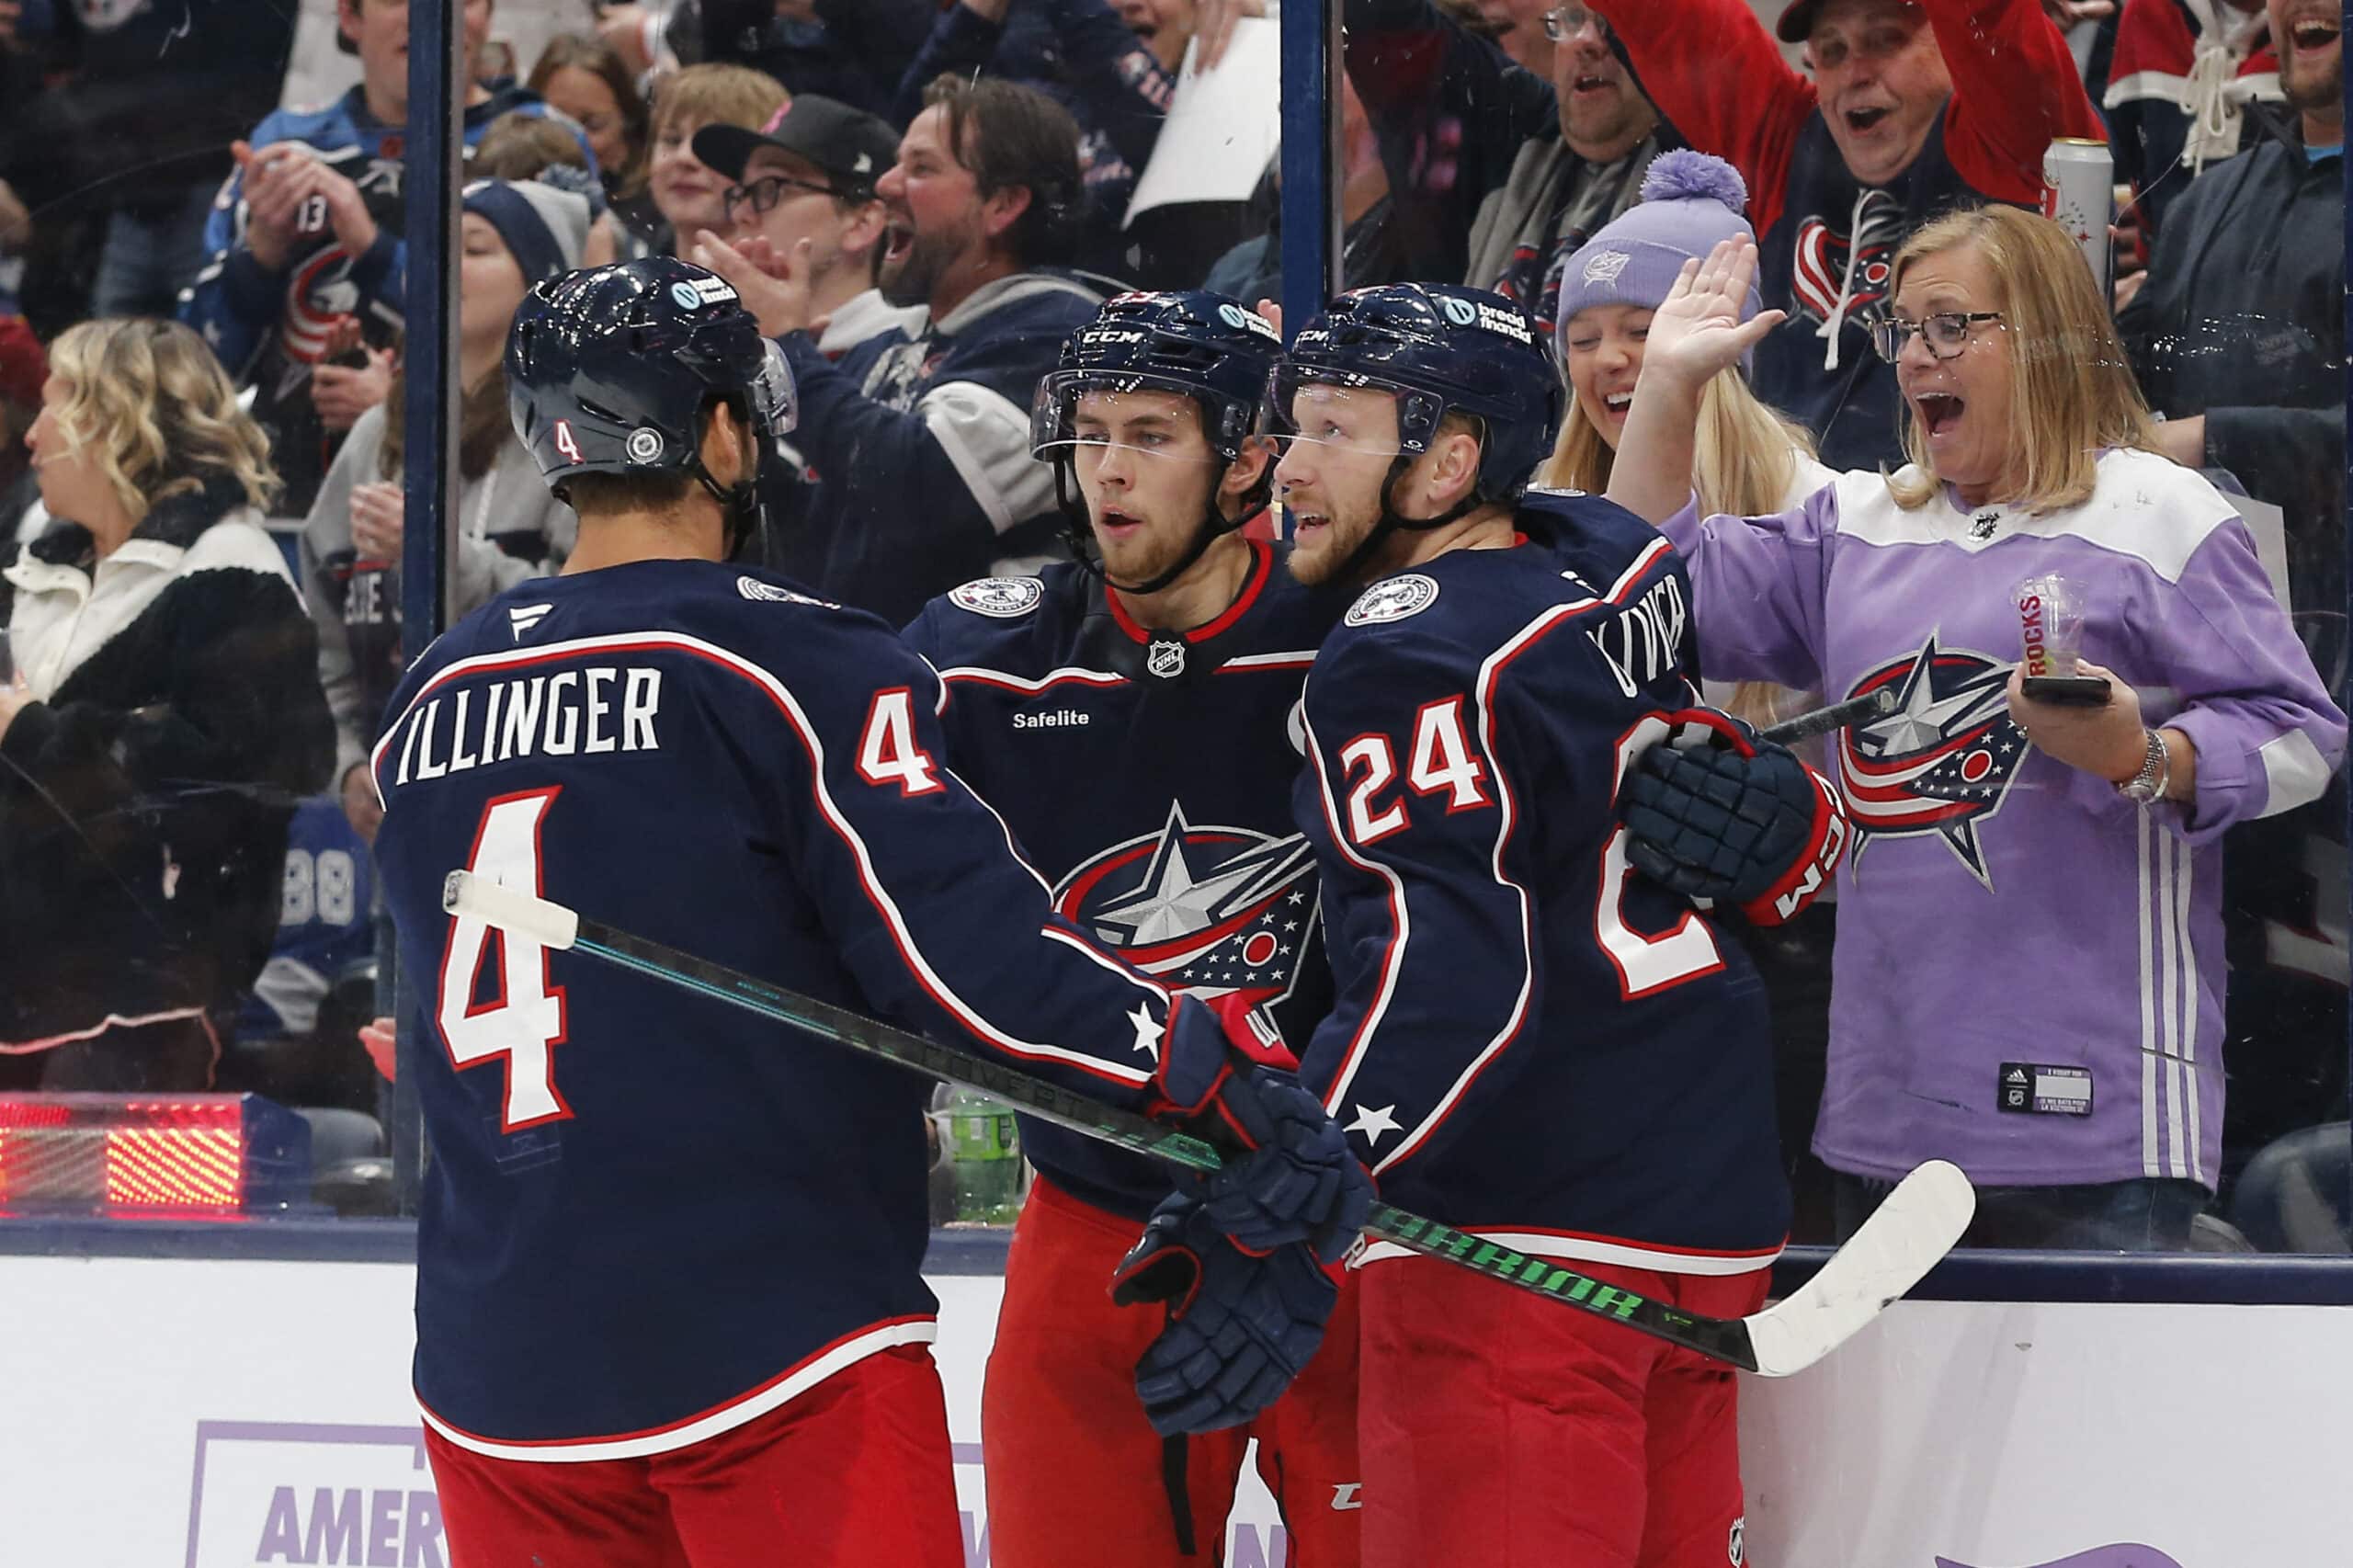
column 1529, row 1041
column 669, row 1307
column 1134, row 718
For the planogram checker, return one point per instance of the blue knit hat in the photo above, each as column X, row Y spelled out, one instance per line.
column 1691, row 202
column 543, row 227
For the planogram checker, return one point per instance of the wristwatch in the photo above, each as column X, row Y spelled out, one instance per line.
column 2157, row 772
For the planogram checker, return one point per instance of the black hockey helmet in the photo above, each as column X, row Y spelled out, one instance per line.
column 1442, row 349
column 1439, row 348
column 608, row 372
column 1206, row 346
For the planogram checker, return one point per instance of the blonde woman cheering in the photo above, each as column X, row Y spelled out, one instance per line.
column 2034, row 888
column 1746, row 459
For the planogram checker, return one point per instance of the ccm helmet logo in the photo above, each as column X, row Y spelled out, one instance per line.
column 1462, row 312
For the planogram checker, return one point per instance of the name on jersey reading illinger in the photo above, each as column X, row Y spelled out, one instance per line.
column 1647, row 633
column 571, row 712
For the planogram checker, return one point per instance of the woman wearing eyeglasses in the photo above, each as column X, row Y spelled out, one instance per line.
column 2029, row 971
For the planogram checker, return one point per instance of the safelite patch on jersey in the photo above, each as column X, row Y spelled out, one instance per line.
column 1392, row 599
column 1004, row 598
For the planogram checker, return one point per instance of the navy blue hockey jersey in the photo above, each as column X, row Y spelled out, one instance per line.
column 1158, row 804
column 1531, row 1039
column 649, row 1216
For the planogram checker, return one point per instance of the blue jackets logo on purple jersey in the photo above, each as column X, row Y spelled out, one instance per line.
column 1209, row 909
column 1942, row 760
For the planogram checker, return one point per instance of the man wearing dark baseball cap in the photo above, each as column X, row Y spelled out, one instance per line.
column 847, row 148
column 809, row 175
column 1909, row 109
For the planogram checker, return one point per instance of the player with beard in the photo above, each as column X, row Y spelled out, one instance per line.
column 1132, row 719
column 1528, row 1040
column 759, row 775
column 1911, row 109
column 917, row 443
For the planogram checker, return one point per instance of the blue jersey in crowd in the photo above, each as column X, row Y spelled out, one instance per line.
column 323, row 922
column 1150, row 780
column 270, row 328
column 650, row 1216
column 1530, row 1039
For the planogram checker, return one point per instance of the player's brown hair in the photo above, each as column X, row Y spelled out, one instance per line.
column 2073, row 394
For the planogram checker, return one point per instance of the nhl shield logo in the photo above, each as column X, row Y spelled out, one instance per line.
column 1209, row 909
column 1393, row 598
column 1942, row 761
column 1164, row 659
column 1003, row 597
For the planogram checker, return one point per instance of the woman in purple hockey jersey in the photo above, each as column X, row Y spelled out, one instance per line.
column 2029, row 971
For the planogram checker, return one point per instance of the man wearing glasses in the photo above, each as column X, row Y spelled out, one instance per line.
column 1911, row 108
column 1537, row 166
column 809, row 174
column 917, row 475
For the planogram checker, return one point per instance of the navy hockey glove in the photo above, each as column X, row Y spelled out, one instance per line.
column 1240, row 1327
column 1295, row 1178
column 1718, row 814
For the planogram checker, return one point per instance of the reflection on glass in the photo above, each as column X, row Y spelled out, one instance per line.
column 1510, row 144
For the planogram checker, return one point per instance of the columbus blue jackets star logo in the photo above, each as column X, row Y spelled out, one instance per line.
column 1206, row 909
column 1942, row 761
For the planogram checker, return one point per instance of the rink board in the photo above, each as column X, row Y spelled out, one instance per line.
column 225, row 1414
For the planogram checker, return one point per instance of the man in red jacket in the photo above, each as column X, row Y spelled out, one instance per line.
column 1911, row 109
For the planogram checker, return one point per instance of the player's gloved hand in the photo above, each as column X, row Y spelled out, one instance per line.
column 1240, row 1327
column 1294, row 1177
column 1719, row 813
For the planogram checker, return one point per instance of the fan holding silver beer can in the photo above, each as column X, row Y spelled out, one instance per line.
column 2079, row 194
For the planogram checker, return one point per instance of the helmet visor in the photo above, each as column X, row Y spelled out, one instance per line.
column 1082, row 414
column 1349, row 411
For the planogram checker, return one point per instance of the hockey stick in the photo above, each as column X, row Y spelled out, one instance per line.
column 1918, row 1224
column 1837, row 716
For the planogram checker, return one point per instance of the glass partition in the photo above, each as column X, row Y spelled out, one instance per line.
column 1972, row 444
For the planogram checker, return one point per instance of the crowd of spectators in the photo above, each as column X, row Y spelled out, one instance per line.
column 921, row 200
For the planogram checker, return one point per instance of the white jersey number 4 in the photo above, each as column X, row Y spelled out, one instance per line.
column 525, row 1018
column 887, row 752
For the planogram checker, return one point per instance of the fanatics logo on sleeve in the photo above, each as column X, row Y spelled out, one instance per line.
column 1003, row 597
column 523, row 618
column 1393, row 598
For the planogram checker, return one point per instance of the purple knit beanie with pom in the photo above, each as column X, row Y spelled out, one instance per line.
column 1689, row 202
